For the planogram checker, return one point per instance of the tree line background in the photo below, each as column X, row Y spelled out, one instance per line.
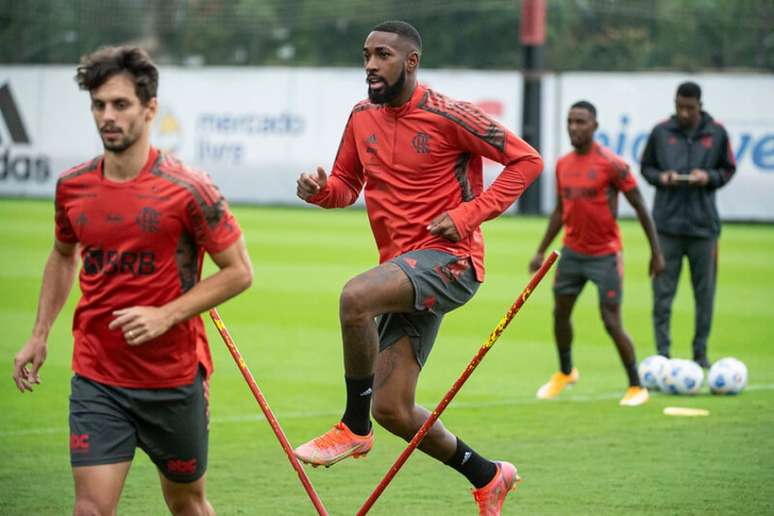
column 606, row 35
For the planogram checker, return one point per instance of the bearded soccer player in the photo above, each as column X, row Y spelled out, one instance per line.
column 140, row 221
column 588, row 180
column 418, row 155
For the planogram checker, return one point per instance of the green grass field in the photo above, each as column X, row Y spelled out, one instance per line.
column 582, row 454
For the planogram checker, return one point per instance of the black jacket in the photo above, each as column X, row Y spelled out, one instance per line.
column 685, row 209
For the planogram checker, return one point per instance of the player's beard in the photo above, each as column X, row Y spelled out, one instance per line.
column 580, row 142
column 391, row 91
column 118, row 146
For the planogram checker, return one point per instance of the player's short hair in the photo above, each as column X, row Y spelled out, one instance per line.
column 689, row 89
column 99, row 66
column 403, row 29
column 588, row 106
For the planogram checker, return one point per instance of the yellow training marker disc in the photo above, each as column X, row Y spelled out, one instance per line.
column 683, row 411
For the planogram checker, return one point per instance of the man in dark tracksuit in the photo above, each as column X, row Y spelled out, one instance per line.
column 687, row 158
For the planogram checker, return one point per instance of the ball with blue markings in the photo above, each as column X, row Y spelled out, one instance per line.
column 683, row 377
column 651, row 371
column 727, row 376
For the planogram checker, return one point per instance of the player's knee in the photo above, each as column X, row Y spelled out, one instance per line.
column 612, row 328
column 391, row 417
column 85, row 506
column 353, row 304
column 193, row 503
column 612, row 324
column 561, row 313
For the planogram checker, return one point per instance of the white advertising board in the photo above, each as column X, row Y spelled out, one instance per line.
column 629, row 105
column 254, row 130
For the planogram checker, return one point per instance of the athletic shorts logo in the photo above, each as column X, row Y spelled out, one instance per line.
column 421, row 143
column 181, row 467
column 452, row 271
column 79, row 443
column 148, row 220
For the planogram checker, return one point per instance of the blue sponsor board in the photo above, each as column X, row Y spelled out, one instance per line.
column 629, row 143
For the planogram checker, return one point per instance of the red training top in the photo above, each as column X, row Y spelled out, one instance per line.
column 420, row 160
column 588, row 185
column 142, row 243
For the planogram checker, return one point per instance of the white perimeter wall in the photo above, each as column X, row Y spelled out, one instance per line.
column 255, row 129
column 629, row 105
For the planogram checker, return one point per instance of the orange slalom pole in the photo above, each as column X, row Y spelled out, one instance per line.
column 422, row 432
column 267, row 412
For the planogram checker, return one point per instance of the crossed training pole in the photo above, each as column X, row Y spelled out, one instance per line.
column 267, row 412
column 422, row 432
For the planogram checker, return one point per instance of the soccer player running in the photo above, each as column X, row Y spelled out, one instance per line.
column 140, row 221
column 588, row 180
column 418, row 156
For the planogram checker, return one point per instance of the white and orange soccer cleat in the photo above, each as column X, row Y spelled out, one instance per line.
column 634, row 396
column 335, row 445
column 556, row 384
column 490, row 498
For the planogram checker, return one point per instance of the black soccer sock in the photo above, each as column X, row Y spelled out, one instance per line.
column 478, row 470
column 631, row 372
column 565, row 360
column 357, row 414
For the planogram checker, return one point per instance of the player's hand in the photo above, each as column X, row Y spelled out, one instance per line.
column 536, row 262
column 32, row 353
column 668, row 178
column 309, row 185
column 140, row 324
column 698, row 177
column 657, row 264
column 443, row 225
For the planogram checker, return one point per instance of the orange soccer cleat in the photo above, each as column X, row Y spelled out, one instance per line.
column 335, row 445
column 634, row 396
column 490, row 498
column 558, row 381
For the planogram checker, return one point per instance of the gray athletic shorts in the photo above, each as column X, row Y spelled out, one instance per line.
column 171, row 425
column 606, row 272
column 442, row 282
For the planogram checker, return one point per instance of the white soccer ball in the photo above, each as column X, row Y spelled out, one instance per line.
column 683, row 377
column 651, row 371
column 727, row 376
